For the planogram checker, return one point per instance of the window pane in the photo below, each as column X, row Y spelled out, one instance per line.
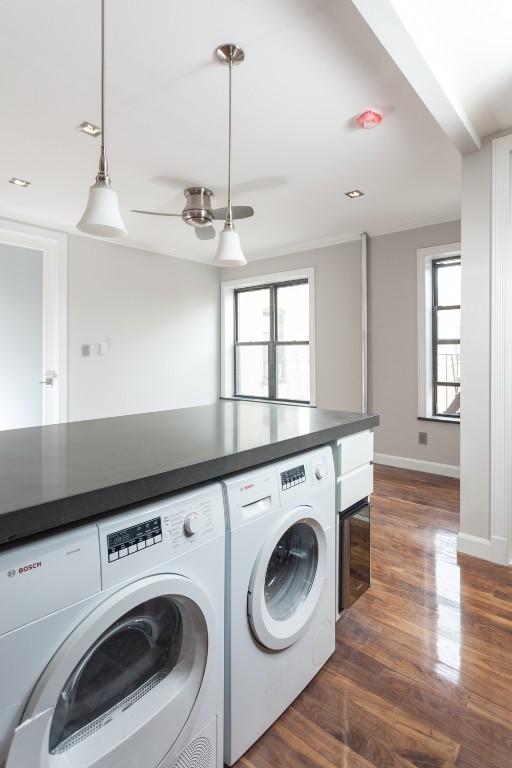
column 252, row 370
column 254, row 315
column 293, row 372
column 448, row 401
column 448, row 362
column 293, row 312
column 448, row 324
column 448, row 285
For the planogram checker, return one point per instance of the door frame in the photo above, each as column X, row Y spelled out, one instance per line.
column 54, row 246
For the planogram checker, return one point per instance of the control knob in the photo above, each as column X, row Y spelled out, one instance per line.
column 319, row 471
column 191, row 525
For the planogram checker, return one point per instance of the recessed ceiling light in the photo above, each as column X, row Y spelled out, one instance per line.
column 89, row 128
column 19, row 182
column 354, row 193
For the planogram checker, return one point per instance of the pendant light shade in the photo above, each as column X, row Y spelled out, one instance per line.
column 229, row 252
column 102, row 216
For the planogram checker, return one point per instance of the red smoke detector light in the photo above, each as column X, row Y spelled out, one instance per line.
column 369, row 119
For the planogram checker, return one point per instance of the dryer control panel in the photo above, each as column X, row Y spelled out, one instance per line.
column 155, row 533
column 133, row 539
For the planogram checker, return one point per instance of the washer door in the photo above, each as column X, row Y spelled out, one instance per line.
column 124, row 683
column 287, row 579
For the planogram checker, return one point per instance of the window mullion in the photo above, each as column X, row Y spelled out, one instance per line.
column 272, row 388
column 434, row 339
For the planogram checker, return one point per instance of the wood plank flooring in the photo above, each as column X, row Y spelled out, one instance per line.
column 422, row 673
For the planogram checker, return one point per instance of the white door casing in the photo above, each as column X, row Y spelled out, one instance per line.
column 53, row 246
column 501, row 352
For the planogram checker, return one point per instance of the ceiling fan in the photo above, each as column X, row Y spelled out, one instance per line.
column 198, row 212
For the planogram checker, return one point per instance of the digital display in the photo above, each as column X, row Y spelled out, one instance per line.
column 117, row 539
column 134, row 539
column 292, row 477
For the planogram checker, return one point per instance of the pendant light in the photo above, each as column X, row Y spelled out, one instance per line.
column 229, row 252
column 102, row 216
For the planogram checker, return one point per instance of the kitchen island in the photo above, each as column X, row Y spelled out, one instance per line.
column 60, row 474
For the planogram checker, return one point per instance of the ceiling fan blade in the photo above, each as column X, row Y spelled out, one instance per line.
column 239, row 212
column 155, row 213
column 205, row 233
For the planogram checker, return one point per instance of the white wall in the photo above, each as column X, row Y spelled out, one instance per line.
column 475, row 343
column 486, row 448
column 160, row 319
column 393, row 348
column 21, row 338
column 338, row 317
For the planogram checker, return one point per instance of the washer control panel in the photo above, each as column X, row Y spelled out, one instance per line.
column 133, row 539
column 292, row 477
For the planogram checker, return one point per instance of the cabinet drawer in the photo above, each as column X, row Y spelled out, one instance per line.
column 354, row 451
column 354, row 486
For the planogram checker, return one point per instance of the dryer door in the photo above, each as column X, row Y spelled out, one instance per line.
column 124, row 683
column 287, row 579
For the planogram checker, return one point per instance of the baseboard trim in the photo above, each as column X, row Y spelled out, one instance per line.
column 474, row 545
column 493, row 549
column 431, row 467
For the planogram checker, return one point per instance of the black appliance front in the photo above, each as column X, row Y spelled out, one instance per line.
column 354, row 554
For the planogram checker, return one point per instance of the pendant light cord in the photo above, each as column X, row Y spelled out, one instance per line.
column 229, row 218
column 103, row 169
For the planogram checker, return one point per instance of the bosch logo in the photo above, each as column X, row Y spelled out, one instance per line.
column 11, row 573
column 28, row 567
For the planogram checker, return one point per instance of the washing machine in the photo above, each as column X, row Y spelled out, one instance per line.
column 281, row 592
column 111, row 640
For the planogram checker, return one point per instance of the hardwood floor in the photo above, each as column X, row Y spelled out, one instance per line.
column 422, row 673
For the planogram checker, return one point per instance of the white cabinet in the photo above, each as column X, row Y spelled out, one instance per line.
column 354, row 469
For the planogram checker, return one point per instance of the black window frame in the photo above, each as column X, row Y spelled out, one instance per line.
column 272, row 344
column 437, row 264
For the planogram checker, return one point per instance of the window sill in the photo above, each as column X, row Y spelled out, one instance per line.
column 439, row 419
column 263, row 400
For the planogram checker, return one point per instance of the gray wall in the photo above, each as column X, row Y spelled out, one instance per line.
column 159, row 317
column 21, row 339
column 338, row 317
column 393, row 347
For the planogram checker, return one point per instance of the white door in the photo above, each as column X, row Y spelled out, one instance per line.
column 122, row 686
column 288, row 578
column 32, row 327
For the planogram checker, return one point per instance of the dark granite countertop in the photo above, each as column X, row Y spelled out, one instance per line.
column 55, row 475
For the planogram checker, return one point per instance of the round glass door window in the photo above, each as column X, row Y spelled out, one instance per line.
column 291, row 571
column 130, row 658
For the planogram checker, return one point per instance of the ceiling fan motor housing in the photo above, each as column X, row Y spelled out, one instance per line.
column 197, row 211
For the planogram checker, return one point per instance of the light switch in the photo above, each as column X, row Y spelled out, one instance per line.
column 103, row 348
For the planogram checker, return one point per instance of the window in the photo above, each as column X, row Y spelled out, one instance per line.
column 268, row 337
column 439, row 313
column 446, row 337
column 271, row 346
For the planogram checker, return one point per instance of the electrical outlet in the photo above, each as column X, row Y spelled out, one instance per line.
column 423, row 438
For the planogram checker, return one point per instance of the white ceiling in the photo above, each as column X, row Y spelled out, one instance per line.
column 311, row 65
column 467, row 45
